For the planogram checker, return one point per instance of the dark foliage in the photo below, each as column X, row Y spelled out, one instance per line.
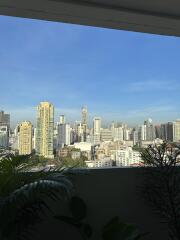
column 78, row 212
column 24, row 194
column 116, row 230
column 161, row 186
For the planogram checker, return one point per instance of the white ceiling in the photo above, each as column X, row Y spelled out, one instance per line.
column 151, row 16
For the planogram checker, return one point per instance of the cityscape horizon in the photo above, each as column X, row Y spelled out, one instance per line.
column 89, row 96
column 58, row 112
column 79, row 143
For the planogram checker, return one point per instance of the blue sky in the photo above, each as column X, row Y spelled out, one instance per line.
column 119, row 75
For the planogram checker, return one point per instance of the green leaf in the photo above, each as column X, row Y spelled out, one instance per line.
column 116, row 230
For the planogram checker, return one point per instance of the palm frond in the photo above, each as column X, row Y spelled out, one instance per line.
column 24, row 195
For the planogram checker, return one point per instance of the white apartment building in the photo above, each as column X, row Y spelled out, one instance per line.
column 142, row 132
column 127, row 134
column 103, row 163
column 127, row 157
column 118, row 133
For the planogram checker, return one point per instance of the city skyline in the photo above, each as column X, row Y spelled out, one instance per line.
column 93, row 145
column 122, row 76
column 58, row 115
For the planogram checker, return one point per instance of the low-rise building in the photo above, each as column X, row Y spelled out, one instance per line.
column 103, row 163
column 100, row 153
column 63, row 152
column 84, row 147
column 75, row 154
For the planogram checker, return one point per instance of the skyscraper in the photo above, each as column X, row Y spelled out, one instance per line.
column 84, row 115
column 84, row 120
column 136, row 136
column 96, row 130
column 62, row 119
column 5, row 129
column 4, row 119
column 64, row 135
column 158, row 131
column 25, row 138
column 79, row 132
column 167, row 131
column 4, row 137
column 142, row 133
column 150, row 130
column 45, row 130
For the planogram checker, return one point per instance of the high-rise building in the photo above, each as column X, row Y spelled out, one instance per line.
column 84, row 122
column 4, row 137
column 158, row 132
column 34, row 138
column 136, row 136
column 45, row 130
column 79, row 133
column 14, row 139
column 142, row 132
column 4, row 119
column 176, row 131
column 118, row 134
column 96, row 130
column 64, row 135
column 96, row 125
column 62, row 119
column 25, row 138
column 167, row 131
column 84, row 115
column 5, row 129
column 150, row 130
column 106, row 135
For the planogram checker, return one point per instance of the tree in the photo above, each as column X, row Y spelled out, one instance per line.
column 69, row 162
column 162, row 184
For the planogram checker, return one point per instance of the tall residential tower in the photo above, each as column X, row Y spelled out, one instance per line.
column 84, row 121
column 25, row 138
column 176, row 131
column 96, row 130
column 4, row 119
column 45, row 130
